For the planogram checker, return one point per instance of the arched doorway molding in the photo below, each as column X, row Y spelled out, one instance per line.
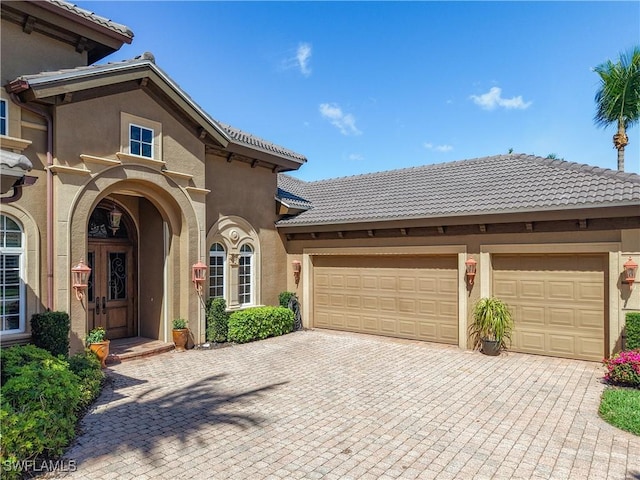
column 182, row 239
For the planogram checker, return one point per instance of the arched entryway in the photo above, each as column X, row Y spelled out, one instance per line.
column 112, row 290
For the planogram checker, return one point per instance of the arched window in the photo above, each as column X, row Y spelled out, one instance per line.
column 217, row 266
column 11, row 284
column 245, row 275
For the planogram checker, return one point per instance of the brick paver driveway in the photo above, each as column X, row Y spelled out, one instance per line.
column 325, row 405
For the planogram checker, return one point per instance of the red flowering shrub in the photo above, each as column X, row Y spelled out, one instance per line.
column 623, row 368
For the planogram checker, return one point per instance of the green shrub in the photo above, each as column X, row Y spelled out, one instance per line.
column 14, row 358
column 50, row 330
column 633, row 331
column 96, row 335
column 217, row 320
column 41, row 398
column 86, row 366
column 39, row 410
column 259, row 322
column 284, row 298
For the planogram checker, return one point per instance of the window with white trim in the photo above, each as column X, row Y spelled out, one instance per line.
column 245, row 275
column 11, row 284
column 140, row 141
column 217, row 266
column 4, row 112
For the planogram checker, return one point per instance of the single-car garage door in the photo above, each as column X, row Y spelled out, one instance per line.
column 398, row 296
column 557, row 301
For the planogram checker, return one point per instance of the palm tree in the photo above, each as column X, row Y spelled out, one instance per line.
column 618, row 98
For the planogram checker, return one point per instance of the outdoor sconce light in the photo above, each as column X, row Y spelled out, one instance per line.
column 297, row 267
column 470, row 269
column 115, row 215
column 80, row 276
column 199, row 275
column 630, row 271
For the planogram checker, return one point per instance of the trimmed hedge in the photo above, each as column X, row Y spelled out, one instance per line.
column 633, row 331
column 42, row 396
column 50, row 330
column 284, row 298
column 217, row 320
column 258, row 323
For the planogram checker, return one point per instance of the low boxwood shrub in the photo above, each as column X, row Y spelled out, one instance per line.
column 50, row 330
column 217, row 320
column 14, row 358
column 284, row 298
column 632, row 320
column 258, row 323
column 42, row 396
column 623, row 369
column 86, row 366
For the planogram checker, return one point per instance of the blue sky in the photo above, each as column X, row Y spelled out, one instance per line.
column 367, row 86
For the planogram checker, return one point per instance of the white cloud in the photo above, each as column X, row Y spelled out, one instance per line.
column 345, row 122
column 356, row 157
column 437, row 148
column 303, row 56
column 493, row 98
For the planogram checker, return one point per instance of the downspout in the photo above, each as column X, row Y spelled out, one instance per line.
column 47, row 116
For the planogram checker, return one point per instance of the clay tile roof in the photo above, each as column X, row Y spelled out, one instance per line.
column 97, row 19
column 490, row 185
column 256, row 142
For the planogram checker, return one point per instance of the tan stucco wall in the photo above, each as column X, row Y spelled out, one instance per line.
column 24, row 54
column 249, row 193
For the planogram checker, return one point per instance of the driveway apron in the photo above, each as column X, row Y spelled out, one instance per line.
column 318, row 404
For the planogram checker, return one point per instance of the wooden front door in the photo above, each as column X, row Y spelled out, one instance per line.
column 111, row 288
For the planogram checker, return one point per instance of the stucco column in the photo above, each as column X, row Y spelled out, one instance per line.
column 233, row 280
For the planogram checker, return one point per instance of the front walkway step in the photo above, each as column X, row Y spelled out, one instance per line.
column 124, row 349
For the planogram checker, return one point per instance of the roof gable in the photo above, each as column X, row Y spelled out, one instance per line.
column 140, row 72
column 491, row 185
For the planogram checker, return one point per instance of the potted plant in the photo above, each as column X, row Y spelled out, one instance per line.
column 180, row 334
column 97, row 343
column 492, row 325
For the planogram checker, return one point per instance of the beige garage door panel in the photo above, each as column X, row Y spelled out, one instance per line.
column 558, row 303
column 402, row 297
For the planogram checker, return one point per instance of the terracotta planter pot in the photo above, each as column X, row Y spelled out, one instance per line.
column 180, row 338
column 101, row 349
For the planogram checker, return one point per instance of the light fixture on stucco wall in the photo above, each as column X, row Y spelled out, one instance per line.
column 470, row 266
column 80, row 278
column 199, row 275
column 297, row 268
column 630, row 271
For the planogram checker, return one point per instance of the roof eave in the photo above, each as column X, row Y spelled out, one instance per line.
column 602, row 210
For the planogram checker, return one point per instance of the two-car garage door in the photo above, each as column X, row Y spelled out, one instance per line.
column 392, row 295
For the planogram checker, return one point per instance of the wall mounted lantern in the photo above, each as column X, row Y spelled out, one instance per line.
column 630, row 271
column 470, row 266
column 199, row 275
column 80, row 278
column 115, row 215
column 297, row 268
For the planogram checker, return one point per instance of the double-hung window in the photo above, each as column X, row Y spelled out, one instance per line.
column 140, row 141
column 217, row 265
column 245, row 275
column 4, row 125
column 11, row 284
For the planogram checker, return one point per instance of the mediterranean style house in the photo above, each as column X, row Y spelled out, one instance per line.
column 114, row 166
